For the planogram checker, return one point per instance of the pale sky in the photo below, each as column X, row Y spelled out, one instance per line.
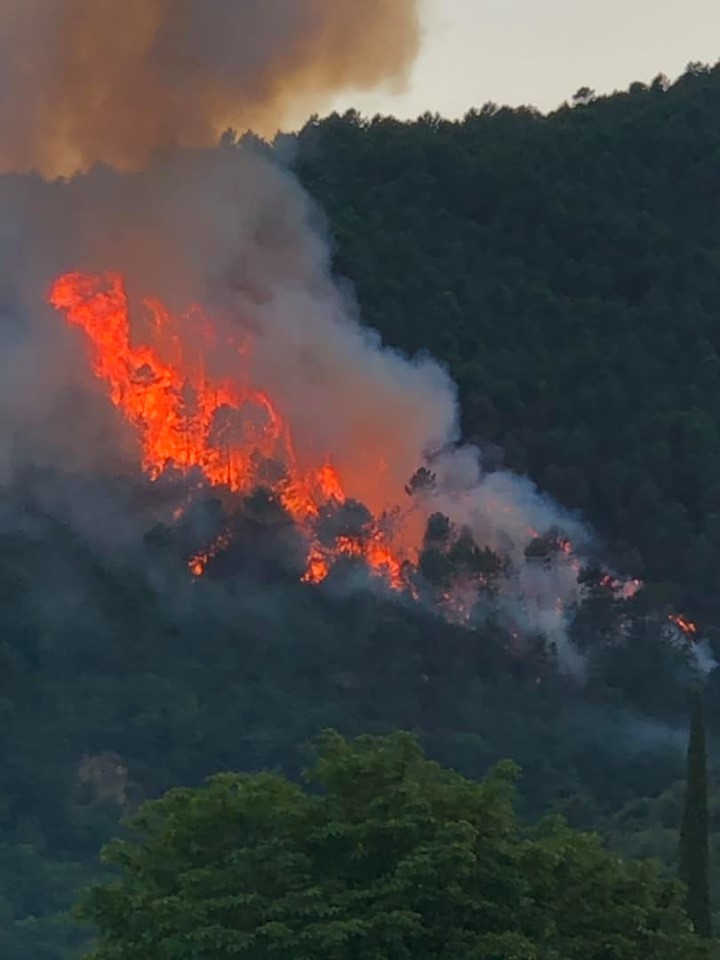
column 541, row 51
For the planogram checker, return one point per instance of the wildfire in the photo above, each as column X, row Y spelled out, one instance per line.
column 626, row 589
column 686, row 626
column 236, row 436
column 197, row 564
column 187, row 419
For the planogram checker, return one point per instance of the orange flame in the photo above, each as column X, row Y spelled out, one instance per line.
column 683, row 624
column 197, row 564
column 189, row 420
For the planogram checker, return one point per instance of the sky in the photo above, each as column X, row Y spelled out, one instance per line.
column 540, row 52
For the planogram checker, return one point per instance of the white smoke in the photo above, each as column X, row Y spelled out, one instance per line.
column 231, row 230
column 704, row 658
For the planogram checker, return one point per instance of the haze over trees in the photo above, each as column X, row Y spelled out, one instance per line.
column 567, row 269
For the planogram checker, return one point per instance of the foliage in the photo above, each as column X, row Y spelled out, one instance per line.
column 565, row 267
column 394, row 856
column 694, row 832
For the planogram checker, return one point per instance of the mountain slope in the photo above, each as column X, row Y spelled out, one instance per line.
column 567, row 269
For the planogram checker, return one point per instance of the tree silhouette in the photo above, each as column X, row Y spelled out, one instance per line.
column 694, row 855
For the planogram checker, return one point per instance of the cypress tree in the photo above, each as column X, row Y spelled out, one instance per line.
column 694, row 846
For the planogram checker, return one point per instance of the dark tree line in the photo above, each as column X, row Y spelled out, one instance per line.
column 694, row 831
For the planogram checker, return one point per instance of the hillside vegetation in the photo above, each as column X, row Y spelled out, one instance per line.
column 566, row 268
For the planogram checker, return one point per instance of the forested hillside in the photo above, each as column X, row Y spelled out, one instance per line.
column 566, row 268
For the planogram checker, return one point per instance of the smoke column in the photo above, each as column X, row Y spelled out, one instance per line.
column 146, row 86
column 115, row 80
column 229, row 229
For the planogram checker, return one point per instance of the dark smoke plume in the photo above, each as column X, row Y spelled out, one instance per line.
column 114, row 80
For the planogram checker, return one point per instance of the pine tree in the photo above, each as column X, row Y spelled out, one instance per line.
column 694, row 853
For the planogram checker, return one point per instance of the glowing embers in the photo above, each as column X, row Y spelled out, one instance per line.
column 684, row 625
column 229, row 431
column 197, row 564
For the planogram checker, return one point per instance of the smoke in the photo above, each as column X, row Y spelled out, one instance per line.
column 131, row 98
column 229, row 229
column 704, row 658
column 115, row 80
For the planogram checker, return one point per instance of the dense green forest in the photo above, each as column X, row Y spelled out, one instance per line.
column 567, row 270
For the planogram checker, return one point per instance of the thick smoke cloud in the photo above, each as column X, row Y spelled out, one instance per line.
column 134, row 95
column 115, row 80
column 228, row 228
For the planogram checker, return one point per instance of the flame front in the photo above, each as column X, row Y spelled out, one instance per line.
column 684, row 625
column 161, row 373
column 187, row 420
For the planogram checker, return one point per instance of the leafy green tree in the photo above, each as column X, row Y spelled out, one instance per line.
column 389, row 856
column 694, row 832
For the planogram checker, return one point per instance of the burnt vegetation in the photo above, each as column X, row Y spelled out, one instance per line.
column 567, row 269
